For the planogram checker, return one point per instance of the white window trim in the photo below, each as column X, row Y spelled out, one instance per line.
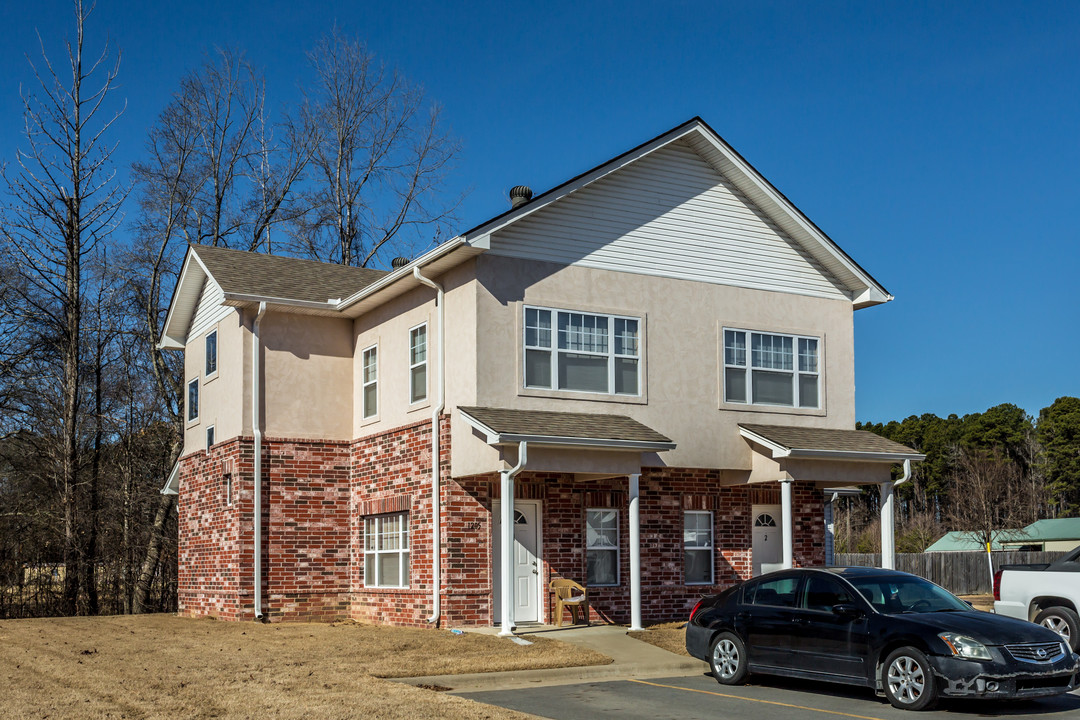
column 413, row 366
column 617, row 549
column 364, row 385
column 210, row 429
column 217, row 365
column 191, row 419
column 553, row 385
column 749, row 369
column 711, row 547
column 373, row 554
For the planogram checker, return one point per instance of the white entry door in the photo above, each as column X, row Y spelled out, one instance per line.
column 768, row 539
column 526, row 560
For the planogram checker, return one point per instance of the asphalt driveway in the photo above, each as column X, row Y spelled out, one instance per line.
column 699, row 696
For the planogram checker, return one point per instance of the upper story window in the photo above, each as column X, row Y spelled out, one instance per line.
column 778, row 370
column 193, row 400
column 370, row 379
column 211, row 353
column 418, row 364
column 582, row 352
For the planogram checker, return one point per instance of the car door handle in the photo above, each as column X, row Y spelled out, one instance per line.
column 799, row 620
column 743, row 615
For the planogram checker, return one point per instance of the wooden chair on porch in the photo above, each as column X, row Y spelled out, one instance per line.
column 570, row 595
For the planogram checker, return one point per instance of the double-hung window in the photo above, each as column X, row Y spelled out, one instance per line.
column 582, row 352
column 771, row 369
column 602, row 547
column 211, row 353
column 370, row 381
column 697, row 547
column 193, row 400
column 386, row 550
column 418, row 364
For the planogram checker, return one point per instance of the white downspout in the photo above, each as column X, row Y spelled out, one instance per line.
column 635, row 552
column 256, row 431
column 506, row 542
column 436, row 413
column 888, row 519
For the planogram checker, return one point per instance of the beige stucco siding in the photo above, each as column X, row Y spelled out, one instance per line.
column 307, row 376
column 388, row 328
column 682, row 334
column 221, row 394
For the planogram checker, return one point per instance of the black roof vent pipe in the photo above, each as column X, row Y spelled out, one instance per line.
column 519, row 195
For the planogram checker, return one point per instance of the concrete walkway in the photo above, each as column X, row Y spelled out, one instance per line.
column 630, row 659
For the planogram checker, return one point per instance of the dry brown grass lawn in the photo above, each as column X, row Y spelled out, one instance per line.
column 160, row 666
column 670, row 636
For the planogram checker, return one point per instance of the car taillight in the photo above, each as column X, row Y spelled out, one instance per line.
column 997, row 585
column 696, row 608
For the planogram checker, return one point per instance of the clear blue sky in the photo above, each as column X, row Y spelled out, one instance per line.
column 937, row 143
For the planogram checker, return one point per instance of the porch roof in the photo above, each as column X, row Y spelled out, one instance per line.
column 787, row 441
column 615, row 432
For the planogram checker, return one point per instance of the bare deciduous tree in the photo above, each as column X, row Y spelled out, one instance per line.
column 63, row 201
column 380, row 161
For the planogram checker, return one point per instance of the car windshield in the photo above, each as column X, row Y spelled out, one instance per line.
column 893, row 595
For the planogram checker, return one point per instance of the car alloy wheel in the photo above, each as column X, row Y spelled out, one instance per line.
column 1064, row 622
column 909, row 682
column 728, row 659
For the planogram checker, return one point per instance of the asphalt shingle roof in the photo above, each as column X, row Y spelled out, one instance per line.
column 564, row 424
column 247, row 273
column 804, row 438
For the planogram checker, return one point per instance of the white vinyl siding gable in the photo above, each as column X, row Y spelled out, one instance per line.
column 209, row 311
column 669, row 214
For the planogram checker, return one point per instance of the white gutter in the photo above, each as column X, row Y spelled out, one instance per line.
column 436, row 413
column 506, row 542
column 395, row 275
column 256, row 431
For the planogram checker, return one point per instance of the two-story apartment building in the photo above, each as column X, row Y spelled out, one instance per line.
column 642, row 380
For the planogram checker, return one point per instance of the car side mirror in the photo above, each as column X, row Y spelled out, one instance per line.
column 849, row 611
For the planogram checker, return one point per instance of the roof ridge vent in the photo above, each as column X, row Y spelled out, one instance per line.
column 519, row 195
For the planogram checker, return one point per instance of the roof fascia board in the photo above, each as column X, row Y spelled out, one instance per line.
column 489, row 435
column 796, row 453
column 764, row 186
column 401, row 272
column 168, row 341
column 480, row 236
column 777, row 449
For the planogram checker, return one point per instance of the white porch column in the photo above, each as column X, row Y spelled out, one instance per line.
column 506, row 550
column 888, row 538
column 635, row 555
column 785, row 512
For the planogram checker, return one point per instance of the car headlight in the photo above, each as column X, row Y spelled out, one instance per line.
column 965, row 647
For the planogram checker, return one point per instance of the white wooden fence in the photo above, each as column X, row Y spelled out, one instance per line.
column 962, row 573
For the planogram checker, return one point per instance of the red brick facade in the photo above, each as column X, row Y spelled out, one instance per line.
column 316, row 496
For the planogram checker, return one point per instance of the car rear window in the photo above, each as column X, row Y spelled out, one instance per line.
column 782, row 592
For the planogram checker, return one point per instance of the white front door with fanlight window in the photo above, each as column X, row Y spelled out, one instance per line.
column 768, row 539
column 527, row 562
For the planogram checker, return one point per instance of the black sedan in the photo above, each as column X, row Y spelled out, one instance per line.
column 897, row 633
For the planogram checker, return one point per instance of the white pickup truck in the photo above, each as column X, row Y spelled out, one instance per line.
column 1044, row 594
